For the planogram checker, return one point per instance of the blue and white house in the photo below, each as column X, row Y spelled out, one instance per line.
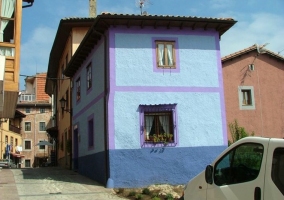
column 148, row 99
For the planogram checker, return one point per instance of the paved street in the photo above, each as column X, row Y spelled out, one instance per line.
column 50, row 183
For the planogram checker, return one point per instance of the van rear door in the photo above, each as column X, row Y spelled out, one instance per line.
column 274, row 178
column 239, row 172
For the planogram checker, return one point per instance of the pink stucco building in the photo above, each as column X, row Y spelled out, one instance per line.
column 254, row 91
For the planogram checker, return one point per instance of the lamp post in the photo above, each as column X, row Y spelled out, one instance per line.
column 62, row 105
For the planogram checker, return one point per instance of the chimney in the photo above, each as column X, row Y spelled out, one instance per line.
column 92, row 8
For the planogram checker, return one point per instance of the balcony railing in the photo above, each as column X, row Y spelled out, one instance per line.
column 14, row 129
column 26, row 97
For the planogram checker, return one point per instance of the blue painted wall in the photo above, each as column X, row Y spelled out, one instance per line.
column 146, row 166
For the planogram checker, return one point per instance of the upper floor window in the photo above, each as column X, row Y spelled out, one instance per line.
column 42, row 110
column 89, row 76
column 27, row 126
column 78, row 89
column 158, row 123
column 165, row 53
column 7, row 13
column 12, row 141
column 246, row 95
column 41, row 126
column 28, row 110
column 62, row 70
column 27, row 144
column 246, row 98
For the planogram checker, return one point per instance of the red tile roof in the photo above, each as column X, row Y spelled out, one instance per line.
column 260, row 49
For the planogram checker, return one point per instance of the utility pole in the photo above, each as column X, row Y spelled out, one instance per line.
column 92, row 8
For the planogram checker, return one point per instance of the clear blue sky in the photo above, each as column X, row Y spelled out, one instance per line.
column 259, row 22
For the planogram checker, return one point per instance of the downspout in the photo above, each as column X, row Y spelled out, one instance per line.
column 109, row 182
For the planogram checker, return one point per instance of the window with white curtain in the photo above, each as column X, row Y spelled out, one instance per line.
column 158, row 124
column 246, row 98
column 165, row 52
column 7, row 12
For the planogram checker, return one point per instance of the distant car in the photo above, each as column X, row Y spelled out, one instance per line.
column 4, row 163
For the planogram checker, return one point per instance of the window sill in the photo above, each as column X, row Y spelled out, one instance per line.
column 158, row 144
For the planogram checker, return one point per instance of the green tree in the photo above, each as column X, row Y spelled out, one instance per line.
column 237, row 132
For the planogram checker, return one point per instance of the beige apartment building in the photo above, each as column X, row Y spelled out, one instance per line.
column 11, row 138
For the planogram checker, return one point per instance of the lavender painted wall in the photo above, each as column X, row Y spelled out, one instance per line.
column 195, row 86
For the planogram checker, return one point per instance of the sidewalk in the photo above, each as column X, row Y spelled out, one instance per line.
column 50, row 183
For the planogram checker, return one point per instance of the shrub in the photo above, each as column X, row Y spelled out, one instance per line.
column 146, row 191
column 154, row 195
column 156, row 198
column 169, row 197
column 132, row 194
column 139, row 196
column 237, row 132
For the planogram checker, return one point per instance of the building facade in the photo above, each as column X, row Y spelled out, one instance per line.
column 10, row 43
column 253, row 90
column 69, row 35
column 36, row 105
column 11, row 138
column 148, row 102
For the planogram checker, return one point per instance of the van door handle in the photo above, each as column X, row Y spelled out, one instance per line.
column 257, row 193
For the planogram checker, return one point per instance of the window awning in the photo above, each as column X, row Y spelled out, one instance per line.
column 17, row 155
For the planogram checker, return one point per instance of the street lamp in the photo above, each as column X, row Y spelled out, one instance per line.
column 63, row 104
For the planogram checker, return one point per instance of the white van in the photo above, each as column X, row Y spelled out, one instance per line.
column 251, row 168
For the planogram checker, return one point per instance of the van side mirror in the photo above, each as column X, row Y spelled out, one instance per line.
column 209, row 174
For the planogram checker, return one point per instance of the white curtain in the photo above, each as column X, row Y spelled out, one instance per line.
column 164, row 120
column 148, row 124
column 170, row 54
column 161, row 53
column 7, row 9
column 245, row 98
column 7, row 51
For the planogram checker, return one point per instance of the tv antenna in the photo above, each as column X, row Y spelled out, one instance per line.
column 141, row 4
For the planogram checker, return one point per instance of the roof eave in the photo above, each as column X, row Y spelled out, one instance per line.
column 103, row 22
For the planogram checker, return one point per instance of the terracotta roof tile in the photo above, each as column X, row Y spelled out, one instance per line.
column 249, row 49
